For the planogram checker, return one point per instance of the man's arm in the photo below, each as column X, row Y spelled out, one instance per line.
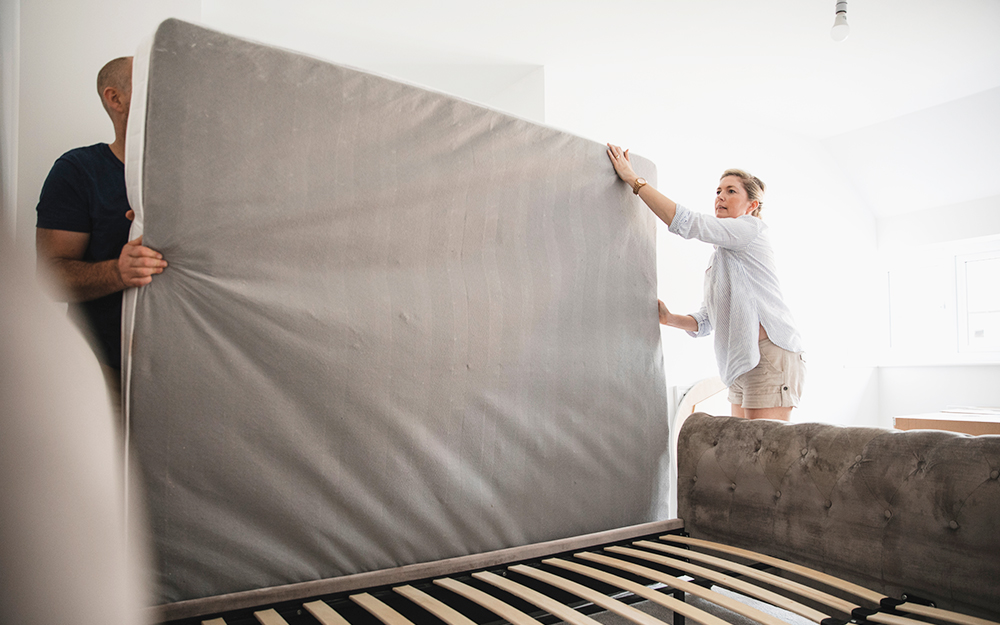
column 62, row 251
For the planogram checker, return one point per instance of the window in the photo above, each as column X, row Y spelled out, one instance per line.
column 944, row 305
column 978, row 277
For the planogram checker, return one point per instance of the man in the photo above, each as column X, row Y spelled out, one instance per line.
column 83, row 225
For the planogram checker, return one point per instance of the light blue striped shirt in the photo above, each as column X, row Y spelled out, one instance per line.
column 742, row 290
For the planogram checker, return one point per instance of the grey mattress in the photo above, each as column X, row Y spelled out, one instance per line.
column 396, row 326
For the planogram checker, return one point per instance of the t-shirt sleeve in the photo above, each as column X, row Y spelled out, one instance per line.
column 62, row 204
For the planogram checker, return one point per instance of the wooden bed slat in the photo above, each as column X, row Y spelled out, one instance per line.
column 691, row 588
column 380, row 610
column 943, row 615
column 502, row 609
column 808, row 592
column 324, row 613
column 655, row 596
column 726, row 572
column 534, row 597
column 751, row 590
column 597, row 598
column 829, row 580
column 441, row 610
column 780, row 582
column 269, row 617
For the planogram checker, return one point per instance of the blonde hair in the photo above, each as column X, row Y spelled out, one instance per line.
column 753, row 185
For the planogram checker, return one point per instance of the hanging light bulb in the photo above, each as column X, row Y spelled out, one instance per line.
column 840, row 29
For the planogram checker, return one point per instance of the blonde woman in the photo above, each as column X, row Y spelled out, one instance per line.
column 757, row 348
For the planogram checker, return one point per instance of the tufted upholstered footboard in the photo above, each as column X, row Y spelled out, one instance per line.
column 913, row 512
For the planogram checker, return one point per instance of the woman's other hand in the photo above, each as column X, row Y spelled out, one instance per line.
column 664, row 313
column 684, row 322
column 623, row 166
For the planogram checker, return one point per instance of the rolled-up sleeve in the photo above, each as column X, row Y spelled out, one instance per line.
column 731, row 234
column 704, row 325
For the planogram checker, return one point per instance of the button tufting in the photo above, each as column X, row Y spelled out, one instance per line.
column 829, row 504
column 694, row 478
column 857, row 458
column 805, row 451
column 994, row 475
column 777, row 493
column 953, row 525
column 732, row 486
column 888, row 514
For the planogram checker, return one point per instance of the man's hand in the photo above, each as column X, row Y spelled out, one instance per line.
column 61, row 253
column 138, row 264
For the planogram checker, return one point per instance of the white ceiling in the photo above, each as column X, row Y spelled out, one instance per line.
column 771, row 61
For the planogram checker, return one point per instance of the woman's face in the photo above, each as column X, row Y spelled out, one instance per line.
column 731, row 199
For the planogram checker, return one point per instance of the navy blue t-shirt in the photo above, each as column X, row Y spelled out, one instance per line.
column 85, row 192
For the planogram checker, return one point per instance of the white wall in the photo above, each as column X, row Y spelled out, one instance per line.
column 942, row 224
column 922, row 228
column 916, row 390
column 9, row 31
column 62, row 46
column 933, row 158
column 518, row 89
column 925, row 370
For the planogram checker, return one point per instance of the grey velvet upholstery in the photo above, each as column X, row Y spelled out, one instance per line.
column 915, row 512
column 396, row 327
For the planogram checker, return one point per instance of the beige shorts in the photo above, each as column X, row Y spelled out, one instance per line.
column 775, row 382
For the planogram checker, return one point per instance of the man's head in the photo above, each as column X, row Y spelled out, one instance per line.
column 114, row 85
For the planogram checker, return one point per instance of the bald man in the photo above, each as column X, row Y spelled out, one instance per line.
column 83, row 223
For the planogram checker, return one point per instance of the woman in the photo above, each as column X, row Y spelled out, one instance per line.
column 757, row 347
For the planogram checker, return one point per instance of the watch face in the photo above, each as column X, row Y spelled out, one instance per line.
column 640, row 181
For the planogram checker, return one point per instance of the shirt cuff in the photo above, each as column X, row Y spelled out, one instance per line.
column 679, row 224
column 704, row 327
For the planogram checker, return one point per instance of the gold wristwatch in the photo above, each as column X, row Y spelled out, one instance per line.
column 639, row 183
